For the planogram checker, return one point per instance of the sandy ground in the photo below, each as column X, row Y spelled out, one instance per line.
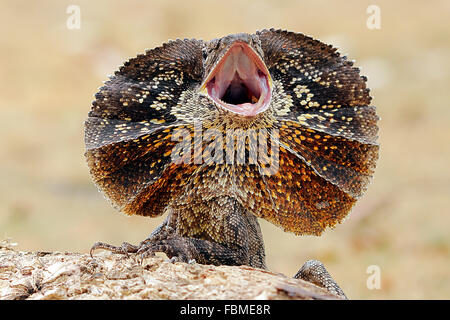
column 50, row 74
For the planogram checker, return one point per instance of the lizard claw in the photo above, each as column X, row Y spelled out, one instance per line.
column 174, row 259
column 124, row 249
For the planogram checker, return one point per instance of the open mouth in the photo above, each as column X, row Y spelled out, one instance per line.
column 240, row 82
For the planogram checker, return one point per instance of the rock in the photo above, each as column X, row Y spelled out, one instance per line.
column 56, row 275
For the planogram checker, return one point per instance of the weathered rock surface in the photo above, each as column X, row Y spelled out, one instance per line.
column 56, row 275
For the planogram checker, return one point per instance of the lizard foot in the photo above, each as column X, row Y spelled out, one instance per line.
column 177, row 249
column 182, row 249
column 314, row 271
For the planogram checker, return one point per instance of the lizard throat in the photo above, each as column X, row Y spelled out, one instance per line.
column 240, row 82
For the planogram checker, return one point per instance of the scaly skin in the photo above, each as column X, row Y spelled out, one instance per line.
column 319, row 108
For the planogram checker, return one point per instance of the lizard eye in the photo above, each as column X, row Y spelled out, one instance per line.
column 204, row 53
column 240, row 81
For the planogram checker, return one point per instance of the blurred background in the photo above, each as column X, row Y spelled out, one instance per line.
column 50, row 73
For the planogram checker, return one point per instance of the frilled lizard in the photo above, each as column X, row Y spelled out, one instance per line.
column 155, row 140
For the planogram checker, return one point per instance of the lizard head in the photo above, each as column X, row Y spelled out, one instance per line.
column 236, row 78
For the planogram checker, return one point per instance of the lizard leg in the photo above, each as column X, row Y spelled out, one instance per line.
column 234, row 247
column 314, row 271
column 235, row 240
column 230, row 246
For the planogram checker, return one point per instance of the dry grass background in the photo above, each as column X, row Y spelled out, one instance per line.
column 49, row 75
